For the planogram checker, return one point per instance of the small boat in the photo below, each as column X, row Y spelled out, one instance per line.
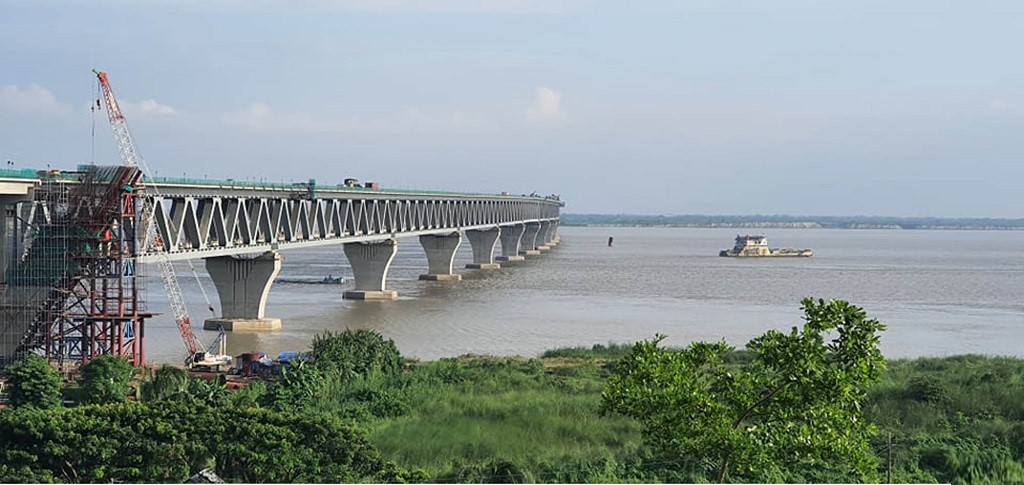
column 757, row 247
column 326, row 280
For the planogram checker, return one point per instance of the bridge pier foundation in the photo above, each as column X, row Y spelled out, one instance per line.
column 440, row 256
column 528, row 246
column 243, row 285
column 370, row 263
column 510, row 237
column 483, row 241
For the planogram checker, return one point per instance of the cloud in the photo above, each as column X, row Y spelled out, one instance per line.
column 494, row 117
column 399, row 6
column 149, row 107
column 34, row 99
column 999, row 105
column 546, row 106
column 260, row 117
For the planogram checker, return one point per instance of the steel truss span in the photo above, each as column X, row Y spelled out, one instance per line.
column 201, row 226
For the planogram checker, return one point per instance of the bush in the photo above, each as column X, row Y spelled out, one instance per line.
column 135, row 442
column 490, row 471
column 597, row 351
column 33, row 383
column 358, row 353
column 302, row 388
column 106, row 379
column 166, row 383
column 928, row 389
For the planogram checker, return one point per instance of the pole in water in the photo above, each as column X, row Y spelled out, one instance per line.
column 610, row 241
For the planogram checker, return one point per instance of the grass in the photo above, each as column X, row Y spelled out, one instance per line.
column 955, row 419
column 478, row 419
column 523, row 411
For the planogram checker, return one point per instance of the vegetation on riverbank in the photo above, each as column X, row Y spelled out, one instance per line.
column 479, row 419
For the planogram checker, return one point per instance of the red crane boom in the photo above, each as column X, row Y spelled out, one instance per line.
column 130, row 157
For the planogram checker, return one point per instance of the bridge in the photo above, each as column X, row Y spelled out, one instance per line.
column 239, row 229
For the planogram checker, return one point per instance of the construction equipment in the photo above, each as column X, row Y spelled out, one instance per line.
column 72, row 294
column 198, row 354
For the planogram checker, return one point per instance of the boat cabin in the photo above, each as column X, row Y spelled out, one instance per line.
column 752, row 242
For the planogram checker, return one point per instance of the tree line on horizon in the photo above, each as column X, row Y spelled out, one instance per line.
column 824, row 222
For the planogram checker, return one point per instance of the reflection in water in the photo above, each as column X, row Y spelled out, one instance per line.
column 940, row 293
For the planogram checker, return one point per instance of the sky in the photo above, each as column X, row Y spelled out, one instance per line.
column 803, row 107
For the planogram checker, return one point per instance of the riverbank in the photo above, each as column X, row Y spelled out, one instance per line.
column 478, row 419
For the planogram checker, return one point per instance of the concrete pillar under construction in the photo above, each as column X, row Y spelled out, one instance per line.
column 528, row 245
column 243, row 284
column 510, row 237
column 483, row 242
column 440, row 251
column 370, row 263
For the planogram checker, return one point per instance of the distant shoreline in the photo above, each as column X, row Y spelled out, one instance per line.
column 793, row 222
column 779, row 226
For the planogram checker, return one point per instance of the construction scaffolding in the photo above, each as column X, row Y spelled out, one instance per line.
column 73, row 293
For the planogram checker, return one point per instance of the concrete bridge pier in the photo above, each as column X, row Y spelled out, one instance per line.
column 510, row 237
column 440, row 256
column 8, row 247
column 483, row 242
column 553, row 234
column 528, row 246
column 542, row 236
column 370, row 263
column 5, row 243
column 243, row 285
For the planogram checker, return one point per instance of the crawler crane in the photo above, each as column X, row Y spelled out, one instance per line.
column 198, row 354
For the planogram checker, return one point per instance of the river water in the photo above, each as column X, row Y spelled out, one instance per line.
column 939, row 292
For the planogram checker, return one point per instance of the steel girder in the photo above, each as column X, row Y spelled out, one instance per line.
column 199, row 226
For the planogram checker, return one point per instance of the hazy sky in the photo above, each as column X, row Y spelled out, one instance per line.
column 875, row 107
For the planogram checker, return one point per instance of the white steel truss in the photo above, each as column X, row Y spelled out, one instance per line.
column 196, row 225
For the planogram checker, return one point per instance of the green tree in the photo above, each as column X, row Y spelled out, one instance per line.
column 106, row 379
column 33, row 383
column 791, row 413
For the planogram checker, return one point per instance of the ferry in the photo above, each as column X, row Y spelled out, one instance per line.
column 757, row 247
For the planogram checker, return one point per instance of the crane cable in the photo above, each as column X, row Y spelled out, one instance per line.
column 209, row 304
column 93, row 108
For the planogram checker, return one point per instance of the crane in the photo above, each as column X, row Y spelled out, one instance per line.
column 198, row 354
